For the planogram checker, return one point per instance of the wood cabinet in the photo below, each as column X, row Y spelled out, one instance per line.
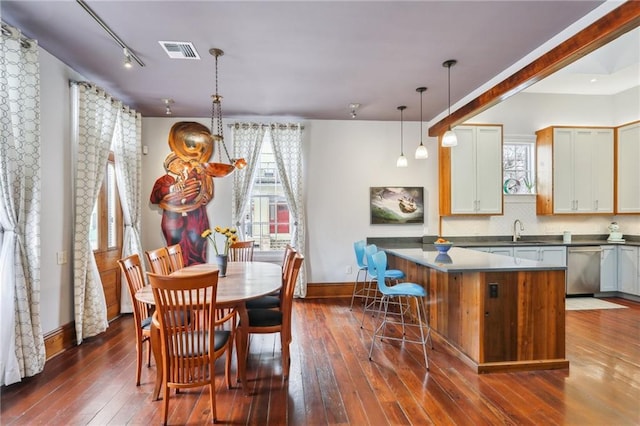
column 628, row 169
column 609, row 268
column 574, row 170
column 628, row 270
column 496, row 321
column 471, row 172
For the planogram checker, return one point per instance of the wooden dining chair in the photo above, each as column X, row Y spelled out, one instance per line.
column 159, row 261
column 132, row 271
column 263, row 321
column 176, row 261
column 272, row 301
column 241, row 251
column 190, row 349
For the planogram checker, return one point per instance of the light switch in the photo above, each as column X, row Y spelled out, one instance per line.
column 62, row 257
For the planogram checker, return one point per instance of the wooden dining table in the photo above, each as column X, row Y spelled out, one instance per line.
column 243, row 281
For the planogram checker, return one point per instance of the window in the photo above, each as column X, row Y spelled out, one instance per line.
column 518, row 165
column 106, row 219
column 268, row 221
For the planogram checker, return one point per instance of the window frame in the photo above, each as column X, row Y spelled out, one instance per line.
column 521, row 140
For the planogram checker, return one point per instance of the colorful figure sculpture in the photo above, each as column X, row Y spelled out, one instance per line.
column 187, row 187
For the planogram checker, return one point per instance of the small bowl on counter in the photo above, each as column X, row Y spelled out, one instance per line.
column 443, row 247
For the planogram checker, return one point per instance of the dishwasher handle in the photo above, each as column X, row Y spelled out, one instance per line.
column 585, row 250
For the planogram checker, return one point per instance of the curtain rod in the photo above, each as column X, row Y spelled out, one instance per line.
column 98, row 89
column 13, row 32
column 109, row 31
column 265, row 125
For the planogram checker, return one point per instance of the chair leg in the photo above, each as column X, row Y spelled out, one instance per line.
column 355, row 289
column 382, row 325
column 212, row 398
column 420, row 307
column 138, row 360
column 165, row 404
column 148, row 352
column 286, row 360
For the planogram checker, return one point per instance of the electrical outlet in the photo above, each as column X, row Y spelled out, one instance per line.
column 349, row 270
column 62, row 257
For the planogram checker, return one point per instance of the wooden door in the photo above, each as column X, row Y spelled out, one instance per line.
column 107, row 239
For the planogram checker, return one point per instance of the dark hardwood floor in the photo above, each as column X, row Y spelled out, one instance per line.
column 333, row 382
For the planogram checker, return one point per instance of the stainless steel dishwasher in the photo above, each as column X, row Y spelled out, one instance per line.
column 583, row 270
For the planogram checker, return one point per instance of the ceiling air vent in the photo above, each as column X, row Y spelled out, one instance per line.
column 179, row 49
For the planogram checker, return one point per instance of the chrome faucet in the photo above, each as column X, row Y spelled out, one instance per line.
column 516, row 234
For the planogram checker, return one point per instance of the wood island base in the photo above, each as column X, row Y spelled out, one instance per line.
column 496, row 321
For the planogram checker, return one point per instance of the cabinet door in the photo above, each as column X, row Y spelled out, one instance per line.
column 563, row 197
column 488, row 180
column 609, row 269
column 628, row 175
column 582, row 157
column 602, row 171
column 628, row 270
column 531, row 253
column 505, row 251
column 555, row 255
column 463, row 172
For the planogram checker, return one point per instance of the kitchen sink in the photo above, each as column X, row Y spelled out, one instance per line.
column 529, row 242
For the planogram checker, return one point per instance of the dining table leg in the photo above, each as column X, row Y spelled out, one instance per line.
column 242, row 346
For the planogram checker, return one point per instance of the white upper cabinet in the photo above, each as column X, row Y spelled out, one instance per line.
column 575, row 170
column 471, row 172
column 628, row 171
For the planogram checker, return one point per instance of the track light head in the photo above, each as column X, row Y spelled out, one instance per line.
column 127, row 58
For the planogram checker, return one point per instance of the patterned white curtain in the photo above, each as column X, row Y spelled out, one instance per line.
column 247, row 141
column 287, row 149
column 96, row 115
column 22, row 351
column 128, row 160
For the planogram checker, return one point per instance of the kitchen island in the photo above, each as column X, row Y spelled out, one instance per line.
column 497, row 313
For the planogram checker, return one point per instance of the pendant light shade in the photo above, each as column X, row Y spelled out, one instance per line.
column 402, row 160
column 421, row 151
column 449, row 138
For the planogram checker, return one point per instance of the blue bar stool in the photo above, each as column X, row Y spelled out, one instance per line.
column 359, row 287
column 372, row 295
column 407, row 290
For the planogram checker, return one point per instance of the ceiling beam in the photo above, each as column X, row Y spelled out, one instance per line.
column 608, row 28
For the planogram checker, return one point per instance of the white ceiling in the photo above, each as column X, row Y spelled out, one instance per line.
column 304, row 59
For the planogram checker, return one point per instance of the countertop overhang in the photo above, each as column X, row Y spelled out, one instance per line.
column 460, row 259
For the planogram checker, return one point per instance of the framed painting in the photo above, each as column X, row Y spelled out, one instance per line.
column 396, row 204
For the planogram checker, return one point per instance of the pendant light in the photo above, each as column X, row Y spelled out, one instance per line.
column 421, row 151
column 449, row 138
column 402, row 160
column 216, row 125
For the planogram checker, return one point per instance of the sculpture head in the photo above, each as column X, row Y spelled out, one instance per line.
column 191, row 141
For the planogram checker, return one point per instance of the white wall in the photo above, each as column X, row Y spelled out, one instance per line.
column 56, row 281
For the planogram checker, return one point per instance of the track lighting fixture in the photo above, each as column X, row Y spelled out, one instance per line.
column 449, row 138
column 402, row 160
column 421, row 151
column 354, row 107
column 127, row 58
column 167, row 103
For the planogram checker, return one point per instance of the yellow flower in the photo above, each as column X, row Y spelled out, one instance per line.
column 229, row 234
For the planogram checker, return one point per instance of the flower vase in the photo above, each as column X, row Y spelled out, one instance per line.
column 221, row 260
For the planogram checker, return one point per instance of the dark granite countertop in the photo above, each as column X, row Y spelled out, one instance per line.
column 459, row 259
